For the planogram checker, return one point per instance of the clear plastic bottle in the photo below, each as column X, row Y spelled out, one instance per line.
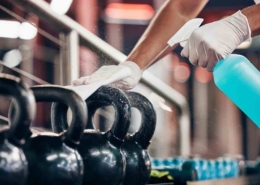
column 239, row 80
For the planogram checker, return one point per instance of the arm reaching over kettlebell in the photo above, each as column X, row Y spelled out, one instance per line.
column 169, row 19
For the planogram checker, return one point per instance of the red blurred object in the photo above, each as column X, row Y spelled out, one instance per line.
column 182, row 72
column 129, row 11
column 202, row 75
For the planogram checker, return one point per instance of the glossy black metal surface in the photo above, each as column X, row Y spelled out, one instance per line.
column 104, row 162
column 53, row 159
column 52, row 162
column 138, row 164
column 13, row 164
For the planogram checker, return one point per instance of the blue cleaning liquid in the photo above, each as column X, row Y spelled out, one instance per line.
column 239, row 80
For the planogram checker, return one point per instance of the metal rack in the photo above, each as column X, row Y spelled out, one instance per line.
column 250, row 180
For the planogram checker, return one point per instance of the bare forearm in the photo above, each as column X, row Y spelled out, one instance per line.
column 253, row 16
column 170, row 18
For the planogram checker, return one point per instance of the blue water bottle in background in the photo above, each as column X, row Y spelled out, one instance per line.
column 195, row 170
column 239, row 80
column 204, row 168
column 211, row 170
column 157, row 163
column 231, row 168
column 219, row 166
column 178, row 161
column 169, row 163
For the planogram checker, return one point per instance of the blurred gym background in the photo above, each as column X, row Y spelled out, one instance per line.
column 42, row 51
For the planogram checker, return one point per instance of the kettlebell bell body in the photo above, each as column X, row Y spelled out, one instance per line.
column 13, row 164
column 103, row 160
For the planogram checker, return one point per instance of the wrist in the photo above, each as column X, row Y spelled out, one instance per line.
column 240, row 25
column 253, row 17
column 140, row 56
column 132, row 65
column 246, row 31
column 136, row 73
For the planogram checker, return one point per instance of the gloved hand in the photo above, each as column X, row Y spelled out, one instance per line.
column 213, row 42
column 106, row 71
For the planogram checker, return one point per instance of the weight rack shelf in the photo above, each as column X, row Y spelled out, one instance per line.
column 249, row 180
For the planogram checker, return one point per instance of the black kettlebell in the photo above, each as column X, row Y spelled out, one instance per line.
column 138, row 164
column 13, row 164
column 103, row 160
column 53, row 158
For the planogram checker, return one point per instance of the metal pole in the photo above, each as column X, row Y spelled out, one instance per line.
column 68, row 67
column 101, row 48
column 72, row 67
column 60, row 65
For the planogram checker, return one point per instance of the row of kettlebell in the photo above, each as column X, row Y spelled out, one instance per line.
column 74, row 155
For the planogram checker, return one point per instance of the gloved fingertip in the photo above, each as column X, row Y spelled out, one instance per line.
column 81, row 80
column 202, row 64
column 86, row 82
column 74, row 82
column 210, row 68
column 184, row 52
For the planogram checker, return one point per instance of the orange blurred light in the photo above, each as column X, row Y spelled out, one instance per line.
column 182, row 72
column 202, row 75
column 129, row 11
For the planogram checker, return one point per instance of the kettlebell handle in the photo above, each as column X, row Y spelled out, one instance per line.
column 148, row 118
column 104, row 96
column 47, row 93
column 107, row 95
column 24, row 104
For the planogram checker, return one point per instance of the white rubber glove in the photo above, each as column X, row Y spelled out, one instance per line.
column 106, row 71
column 213, row 42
